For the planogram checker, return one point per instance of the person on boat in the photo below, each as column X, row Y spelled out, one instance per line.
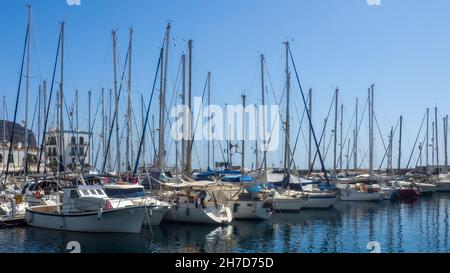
column 202, row 196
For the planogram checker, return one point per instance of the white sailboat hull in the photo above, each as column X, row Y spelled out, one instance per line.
column 122, row 220
column 443, row 186
column 155, row 215
column 287, row 204
column 189, row 213
column 319, row 202
column 249, row 210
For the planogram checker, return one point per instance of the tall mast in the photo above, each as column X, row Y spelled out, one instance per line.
column 143, row 135
column 400, row 145
column 432, row 143
column 77, row 127
column 437, row 139
column 44, row 146
column 371, row 130
column 61, row 103
column 108, row 121
column 335, row 128
column 427, row 141
column 243, row 135
column 161, row 115
column 348, row 155
column 183, row 102
column 263, row 113
column 4, row 134
column 355, row 156
column 209, row 120
column 39, row 117
column 389, row 157
column 445, row 142
column 27, row 90
column 189, row 129
column 103, row 125
column 163, row 103
column 310, row 132
column 128, row 166
column 90, row 136
column 116, row 97
column 324, row 137
column 287, row 155
column 256, row 140
column 154, row 136
column 341, row 138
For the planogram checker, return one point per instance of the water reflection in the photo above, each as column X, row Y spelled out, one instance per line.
column 419, row 227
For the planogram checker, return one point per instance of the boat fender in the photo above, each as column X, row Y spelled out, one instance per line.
column 99, row 213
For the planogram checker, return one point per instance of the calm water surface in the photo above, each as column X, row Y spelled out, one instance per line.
column 419, row 227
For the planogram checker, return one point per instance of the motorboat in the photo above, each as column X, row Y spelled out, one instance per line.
column 124, row 195
column 86, row 209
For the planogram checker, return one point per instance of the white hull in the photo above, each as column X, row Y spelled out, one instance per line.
column 123, row 220
column 316, row 201
column 424, row 187
column 361, row 196
column 443, row 186
column 188, row 213
column 281, row 204
column 155, row 215
column 249, row 210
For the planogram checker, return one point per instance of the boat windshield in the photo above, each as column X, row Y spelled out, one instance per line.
column 125, row 193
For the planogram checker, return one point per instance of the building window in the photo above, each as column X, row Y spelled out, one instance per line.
column 73, row 140
column 81, row 140
column 1, row 158
column 52, row 141
column 10, row 159
column 81, row 151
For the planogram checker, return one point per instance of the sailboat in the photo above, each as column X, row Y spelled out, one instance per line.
column 195, row 202
column 367, row 190
column 315, row 197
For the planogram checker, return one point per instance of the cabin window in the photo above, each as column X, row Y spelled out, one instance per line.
column 85, row 192
column 100, row 192
column 125, row 193
column 74, row 195
column 92, row 192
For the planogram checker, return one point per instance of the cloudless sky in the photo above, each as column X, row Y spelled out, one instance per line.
column 403, row 47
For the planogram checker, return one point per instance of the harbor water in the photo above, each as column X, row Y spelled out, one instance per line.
column 421, row 227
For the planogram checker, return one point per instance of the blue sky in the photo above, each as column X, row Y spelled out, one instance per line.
column 403, row 47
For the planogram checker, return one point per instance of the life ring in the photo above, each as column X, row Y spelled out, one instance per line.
column 38, row 194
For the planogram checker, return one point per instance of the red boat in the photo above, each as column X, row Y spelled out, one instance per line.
column 406, row 195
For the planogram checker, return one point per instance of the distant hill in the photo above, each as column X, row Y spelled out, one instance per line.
column 19, row 133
